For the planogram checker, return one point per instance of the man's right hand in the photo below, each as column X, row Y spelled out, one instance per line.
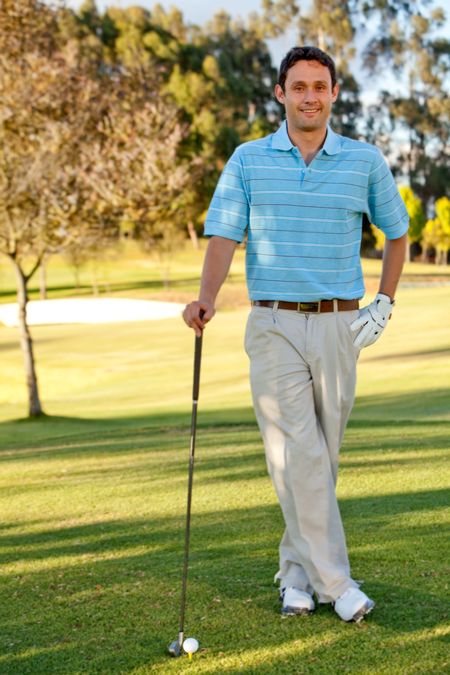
column 191, row 315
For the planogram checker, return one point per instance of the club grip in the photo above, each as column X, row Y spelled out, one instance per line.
column 197, row 361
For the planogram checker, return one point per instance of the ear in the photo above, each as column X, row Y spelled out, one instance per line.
column 279, row 94
column 335, row 92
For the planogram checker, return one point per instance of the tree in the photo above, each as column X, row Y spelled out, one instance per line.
column 437, row 231
column 416, row 220
column 219, row 76
column 407, row 40
column 80, row 147
column 45, row 117
column 142, row 174
column 416, row 216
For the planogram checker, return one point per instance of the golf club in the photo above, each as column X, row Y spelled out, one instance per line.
column 175, row 647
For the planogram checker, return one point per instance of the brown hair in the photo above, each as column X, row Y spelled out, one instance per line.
column 307, row 53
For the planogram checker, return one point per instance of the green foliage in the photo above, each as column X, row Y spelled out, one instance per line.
column 379, row 237
column 437, row 230
column 415, row 212
column 416, row 219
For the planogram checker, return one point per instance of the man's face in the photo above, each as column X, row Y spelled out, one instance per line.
column 307, row 96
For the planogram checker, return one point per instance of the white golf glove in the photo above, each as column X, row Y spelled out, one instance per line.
column 372, row 321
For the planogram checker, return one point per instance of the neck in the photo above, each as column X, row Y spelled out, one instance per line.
column 308, row 142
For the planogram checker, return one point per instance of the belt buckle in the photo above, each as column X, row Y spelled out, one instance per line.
column 309, row 307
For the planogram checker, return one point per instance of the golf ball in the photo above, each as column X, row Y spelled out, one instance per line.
column 190, row 645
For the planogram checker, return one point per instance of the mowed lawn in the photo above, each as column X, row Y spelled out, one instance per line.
column 92, row 503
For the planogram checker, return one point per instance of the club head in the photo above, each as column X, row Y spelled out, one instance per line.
column 174, row 648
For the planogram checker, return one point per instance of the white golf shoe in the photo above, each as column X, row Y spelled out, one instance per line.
column 353, row 605
column 296, row 602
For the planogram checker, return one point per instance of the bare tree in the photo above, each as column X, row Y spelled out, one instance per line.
column 77, row 154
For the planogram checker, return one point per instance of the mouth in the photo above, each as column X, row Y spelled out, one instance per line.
column 310, row 111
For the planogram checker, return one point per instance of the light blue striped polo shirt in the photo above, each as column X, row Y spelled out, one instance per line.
column 304, row 223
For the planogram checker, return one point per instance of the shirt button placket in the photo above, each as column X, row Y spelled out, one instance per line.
column 300, row 161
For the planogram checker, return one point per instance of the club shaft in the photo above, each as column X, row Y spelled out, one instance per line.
column 195, row 394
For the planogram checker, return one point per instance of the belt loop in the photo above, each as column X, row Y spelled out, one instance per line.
column 335, row 305
column 274, row 310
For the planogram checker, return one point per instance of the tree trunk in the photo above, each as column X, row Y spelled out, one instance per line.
column 43, row 280
column 26, row 343
column 77, row 277
column 408, row 252
column 193, row 235
column 94, row 282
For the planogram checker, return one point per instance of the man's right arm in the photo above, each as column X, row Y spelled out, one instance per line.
column 219, row 255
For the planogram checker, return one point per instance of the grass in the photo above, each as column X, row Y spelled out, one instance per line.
column 93, row 502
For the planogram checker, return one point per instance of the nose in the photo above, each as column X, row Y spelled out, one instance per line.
column 310, row 95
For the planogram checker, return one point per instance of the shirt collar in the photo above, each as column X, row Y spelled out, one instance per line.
column 332, row 143
column 281, row 140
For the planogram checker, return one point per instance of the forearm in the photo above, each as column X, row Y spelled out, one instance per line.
column 219, row 255
column 393, row 259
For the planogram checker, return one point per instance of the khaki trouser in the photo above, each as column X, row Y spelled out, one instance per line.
column 303, row 377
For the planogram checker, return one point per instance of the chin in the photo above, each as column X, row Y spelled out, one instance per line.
column 311, row 127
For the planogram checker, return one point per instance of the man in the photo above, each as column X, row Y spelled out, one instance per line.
column 299, row 194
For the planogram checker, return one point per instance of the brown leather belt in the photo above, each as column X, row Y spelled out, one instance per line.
column 309, row 307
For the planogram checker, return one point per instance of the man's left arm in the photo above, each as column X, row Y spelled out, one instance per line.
column 393, row 259
column 385, row 208
column 373, row 318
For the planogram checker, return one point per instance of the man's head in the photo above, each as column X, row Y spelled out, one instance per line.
column 307, row 88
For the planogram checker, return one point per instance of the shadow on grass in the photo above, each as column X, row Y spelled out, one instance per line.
column 383, row 410
column 405, row 356
column 102, row 596
column 109, row 600
column 215, row 531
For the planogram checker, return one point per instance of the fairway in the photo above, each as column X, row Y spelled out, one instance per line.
column 93, row 501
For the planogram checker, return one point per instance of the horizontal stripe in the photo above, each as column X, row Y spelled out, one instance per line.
column 381, row 192
column 283, row 281
column 388, row 202
column 272, row 167
column 306, row 269
column 233, row 227
column 308, row 180
column 382, row 163
column 308, row 220
column 306, row 257
column 330, row 160
column 298, row 226
column 290, row 243
column 301, row 206
column 283, row 229
column 311, row 294
column 328, row 171
column 229, row 199
column 386, row 215
column 231, row 213
column 303, row 194
column 333, row 182
column 223, row 186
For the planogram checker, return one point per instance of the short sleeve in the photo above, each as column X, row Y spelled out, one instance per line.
column 228, row 212
column 386, row 209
